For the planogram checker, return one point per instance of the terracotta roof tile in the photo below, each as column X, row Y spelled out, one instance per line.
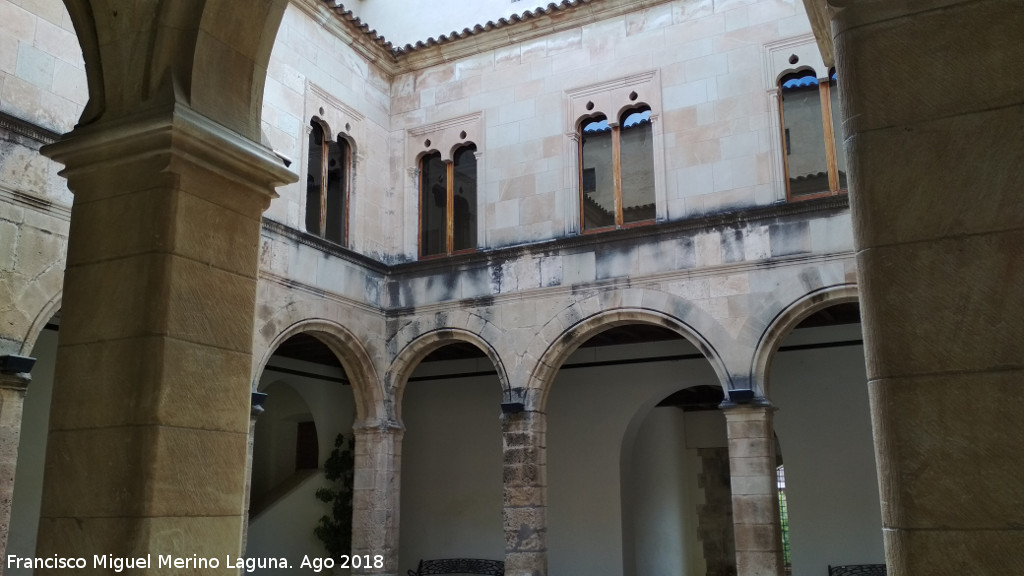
column 354, row 21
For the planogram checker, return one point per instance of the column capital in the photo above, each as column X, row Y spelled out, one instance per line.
column 757, row 404
column 155, row 139
column 377, row 427
column 15, row 381
column 527, row 420
column 256, row 404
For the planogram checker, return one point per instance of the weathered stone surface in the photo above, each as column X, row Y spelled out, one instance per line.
column 947, row 273
column 755, row 508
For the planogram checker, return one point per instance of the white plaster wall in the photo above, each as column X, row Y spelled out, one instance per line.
column 330, row 403
column 824, row 429
column 28, row 479
column 590, row 414
column 662, row 503
column 589, row 411
column 284, row 530
column 451, row 484
column 285, row 527
column 274, row 445
column 451, row 474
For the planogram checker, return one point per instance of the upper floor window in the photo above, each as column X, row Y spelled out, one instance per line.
column 327, row 180
column 448, row 206
column 815, row 161
column 617, row 171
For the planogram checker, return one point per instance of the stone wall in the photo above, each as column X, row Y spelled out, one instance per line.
column 519, row 94
column 42, row 91
column 34, row 215
column 721, row 267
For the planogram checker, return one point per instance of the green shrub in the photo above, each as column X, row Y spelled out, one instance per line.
column 335, row 530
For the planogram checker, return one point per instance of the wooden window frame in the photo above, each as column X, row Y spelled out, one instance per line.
column 449, row 233
column 616, row 175
column 825, row 97
column 346, row 183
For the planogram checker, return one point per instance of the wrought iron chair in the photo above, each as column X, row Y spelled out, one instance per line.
column 459, row 566
column 858, row 570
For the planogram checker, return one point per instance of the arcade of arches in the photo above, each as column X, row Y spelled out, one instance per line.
column 568, row 400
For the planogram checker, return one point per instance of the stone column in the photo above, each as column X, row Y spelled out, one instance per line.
column 934, row 125
column 755, row 497
column 148, row 428
column 376, row 491
column 12, row 400
column 524, row 444
column 255, row 409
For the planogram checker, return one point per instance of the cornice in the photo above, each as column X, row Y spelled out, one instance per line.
column 493, row 34
column 28, row 129
column 27, row 200
column 659, row 231
column 392, row 272
column 364, row 41
column 325, row 246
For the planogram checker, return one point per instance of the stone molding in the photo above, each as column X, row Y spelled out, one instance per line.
column 611, row 98
column 28, row 129
column 325, row 246
column 370, row 397
column 17, row 382
column 445, row 137
column 704, row 223
column 33, row 202
column 393, row 276
column 419, row 344
column 563, row 334
column 105, row 146
column 544, row 21
column 785, row 321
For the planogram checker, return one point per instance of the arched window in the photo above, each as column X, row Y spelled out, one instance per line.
column 812, row 136
column 327, row 179
column 448, row 202
column 617, row 171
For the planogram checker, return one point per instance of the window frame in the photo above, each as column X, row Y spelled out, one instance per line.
column 449, row 226
column 831, row 158
column 346, row 181
column 616, row 131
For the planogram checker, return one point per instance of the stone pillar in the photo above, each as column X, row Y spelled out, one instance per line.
column 755, row 497
column 12, row 400
column 934, row 125
column 376, row 491
column 148, row 428
column 255, row 409
column 524, row 445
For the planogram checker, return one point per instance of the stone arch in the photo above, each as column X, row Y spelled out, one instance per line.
column 459, row 145
column 211, row 55
column 414, row 352
column 39, row 322
column 796, row 70
column 569, row 338
column 787, row 319
column 324, row 125
column 274, row 317
column 366, row 386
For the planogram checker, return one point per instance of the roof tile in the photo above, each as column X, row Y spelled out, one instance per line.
column 349, row 17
